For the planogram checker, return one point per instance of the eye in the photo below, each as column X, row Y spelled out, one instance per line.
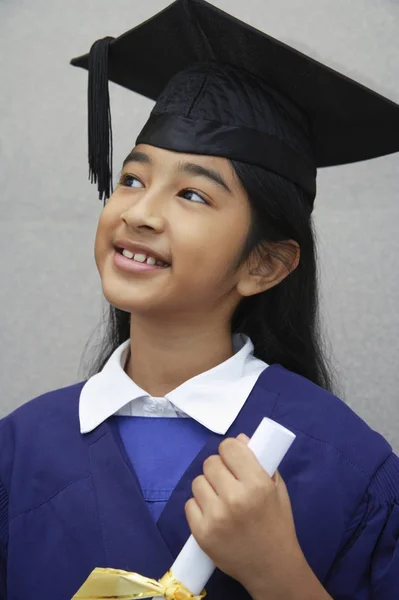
column 133, row 182
column 201, row 199
column 130, row 181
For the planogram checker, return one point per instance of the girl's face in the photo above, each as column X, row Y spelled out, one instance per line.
column 192, row 211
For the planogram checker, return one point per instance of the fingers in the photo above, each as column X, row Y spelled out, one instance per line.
column 219, row 476
column 277, row 478
column 223, row 474
column 203, row 492
column 280, row 485
column 239, row 459
column 193, row 514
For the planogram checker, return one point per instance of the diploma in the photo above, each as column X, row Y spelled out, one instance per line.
column 269, row 443
column 192, row 568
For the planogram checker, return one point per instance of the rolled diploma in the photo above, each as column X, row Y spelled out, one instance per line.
column 269, row 443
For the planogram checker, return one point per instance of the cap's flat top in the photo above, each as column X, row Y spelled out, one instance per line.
column 349, row 121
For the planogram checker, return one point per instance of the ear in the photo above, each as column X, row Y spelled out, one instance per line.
column 268, row 266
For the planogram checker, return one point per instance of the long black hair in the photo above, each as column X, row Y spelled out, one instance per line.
column 284, row 321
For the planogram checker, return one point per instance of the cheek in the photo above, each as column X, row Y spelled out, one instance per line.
column 206, row 252
column 103, row 240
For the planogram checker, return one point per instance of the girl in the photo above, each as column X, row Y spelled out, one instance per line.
column 206, row 256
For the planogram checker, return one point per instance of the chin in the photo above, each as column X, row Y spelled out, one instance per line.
column 126, row 298
column 128, row 293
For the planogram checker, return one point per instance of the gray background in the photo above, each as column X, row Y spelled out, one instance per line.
column 50, row 294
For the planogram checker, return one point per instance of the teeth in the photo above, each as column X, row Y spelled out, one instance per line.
column 140, row 257
column 143, row 258
column 127, row 254
column 160, row 263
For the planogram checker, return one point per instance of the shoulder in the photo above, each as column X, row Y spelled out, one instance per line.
column 347, row 469
column 369, row 555
column 325, row 421
column 33, row 440
column 54, row 408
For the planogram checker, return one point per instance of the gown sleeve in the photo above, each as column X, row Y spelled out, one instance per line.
column 3, row 540
column 367, row 568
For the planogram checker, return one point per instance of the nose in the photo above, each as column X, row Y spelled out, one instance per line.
column 146, row 212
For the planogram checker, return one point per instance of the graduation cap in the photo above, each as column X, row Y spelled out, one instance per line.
column 212, row 77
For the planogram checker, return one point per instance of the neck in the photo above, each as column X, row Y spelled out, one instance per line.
column 162, row 358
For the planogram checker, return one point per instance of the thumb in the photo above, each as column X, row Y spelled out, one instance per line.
column 243, row 438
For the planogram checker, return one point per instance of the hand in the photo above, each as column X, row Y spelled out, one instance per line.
column 243, row 521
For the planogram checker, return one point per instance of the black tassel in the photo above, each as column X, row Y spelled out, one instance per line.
column 99, row 119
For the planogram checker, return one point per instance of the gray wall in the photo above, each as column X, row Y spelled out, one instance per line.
column 50, row 295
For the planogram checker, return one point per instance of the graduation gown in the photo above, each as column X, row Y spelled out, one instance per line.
column 71, row 502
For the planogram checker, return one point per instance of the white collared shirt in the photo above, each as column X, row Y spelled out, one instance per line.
column 213, row 398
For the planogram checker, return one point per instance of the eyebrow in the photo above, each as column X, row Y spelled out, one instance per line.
column 183, row 167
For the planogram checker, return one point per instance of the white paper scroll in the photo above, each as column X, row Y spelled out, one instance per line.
column 269, row 443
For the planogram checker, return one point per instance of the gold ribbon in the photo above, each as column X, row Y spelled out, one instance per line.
column 115, row 584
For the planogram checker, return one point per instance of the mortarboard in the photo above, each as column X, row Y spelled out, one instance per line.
column 212, row 77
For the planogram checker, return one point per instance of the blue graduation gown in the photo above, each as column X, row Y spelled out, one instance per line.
column 159, row 466
column 71, row 502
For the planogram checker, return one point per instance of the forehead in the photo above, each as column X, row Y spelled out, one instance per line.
column 160, row 157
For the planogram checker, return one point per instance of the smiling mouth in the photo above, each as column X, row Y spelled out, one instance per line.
column 142, row 258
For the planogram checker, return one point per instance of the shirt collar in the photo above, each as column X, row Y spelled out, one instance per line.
column 213, row 398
